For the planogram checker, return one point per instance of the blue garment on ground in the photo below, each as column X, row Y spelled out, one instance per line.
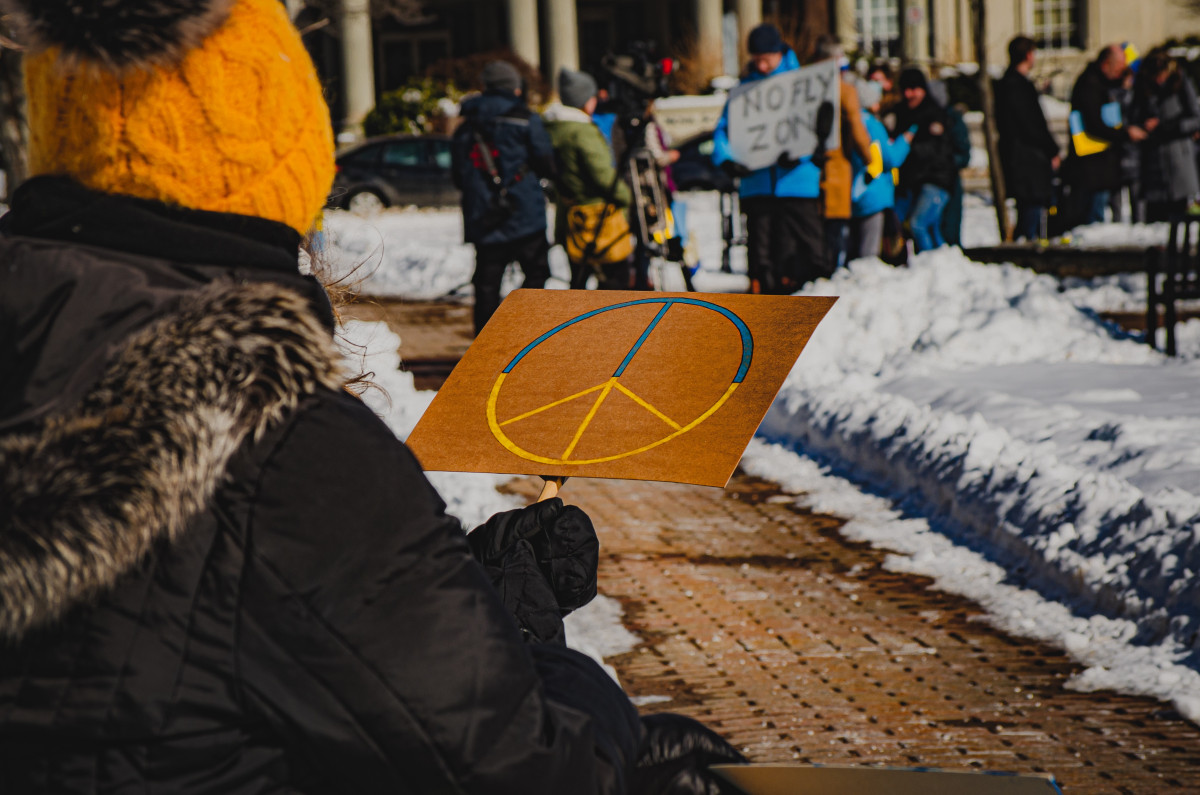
column 880, row 193
column 802, row 181
column 523, row 153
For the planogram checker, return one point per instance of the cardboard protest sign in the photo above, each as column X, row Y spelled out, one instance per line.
column 779, row 114
column 841, row 780
column 643, row 386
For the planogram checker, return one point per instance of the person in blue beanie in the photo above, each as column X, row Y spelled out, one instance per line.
column 785, row 231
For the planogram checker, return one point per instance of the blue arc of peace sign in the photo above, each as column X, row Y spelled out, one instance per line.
column 613, row 382
column 738, row 323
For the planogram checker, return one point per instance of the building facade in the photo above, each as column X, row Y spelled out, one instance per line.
column 368, row 50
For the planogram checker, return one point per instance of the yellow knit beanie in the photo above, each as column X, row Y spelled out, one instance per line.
column 207, row 104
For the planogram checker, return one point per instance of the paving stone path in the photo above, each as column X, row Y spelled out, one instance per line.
column 761, row 620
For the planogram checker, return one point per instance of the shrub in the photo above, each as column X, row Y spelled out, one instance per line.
column 464, row 71
column 416, row 107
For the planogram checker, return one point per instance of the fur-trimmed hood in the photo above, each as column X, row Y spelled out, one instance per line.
column 86, row 495
column 117, row 33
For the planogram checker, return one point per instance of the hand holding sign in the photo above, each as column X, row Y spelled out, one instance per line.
column 781, row 115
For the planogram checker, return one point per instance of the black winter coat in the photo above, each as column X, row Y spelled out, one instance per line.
column 221, row 573
column 1026, row 145
column 521, row 153
column 1101, row 170
column 1168, row 155
column 931, row 155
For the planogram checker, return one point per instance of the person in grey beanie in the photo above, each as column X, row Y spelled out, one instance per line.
column 587, row 180
column 497, row 155
column 575, row 89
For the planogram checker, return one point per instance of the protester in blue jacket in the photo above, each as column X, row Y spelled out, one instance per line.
column 873, row 192
column 498, row 153
column 785, row 233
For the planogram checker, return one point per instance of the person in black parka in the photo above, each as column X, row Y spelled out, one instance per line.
column 504, row 213
column 1029, row 155
column 220, row 572
column 1094, row 173
column 1169, row 178
column 929, row 172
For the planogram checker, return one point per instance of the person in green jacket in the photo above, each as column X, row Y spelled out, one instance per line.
column 585, row 175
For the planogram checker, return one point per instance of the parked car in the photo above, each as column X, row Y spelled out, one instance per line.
column 394, row 171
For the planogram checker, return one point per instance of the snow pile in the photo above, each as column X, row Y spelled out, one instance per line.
column 1118, row 235
column 979, row 396
column 420, row 254
column 1101, row 644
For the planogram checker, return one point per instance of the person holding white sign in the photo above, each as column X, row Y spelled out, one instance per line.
column 784, row 229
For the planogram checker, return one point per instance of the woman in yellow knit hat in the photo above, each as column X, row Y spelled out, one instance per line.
column 219, row 572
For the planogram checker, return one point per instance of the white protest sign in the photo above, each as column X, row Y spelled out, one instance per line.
column 779, row 114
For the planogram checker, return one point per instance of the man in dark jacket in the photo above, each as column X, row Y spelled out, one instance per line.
column 219, row 570
column 1028, row 152
column 499, row 152
column 928, row 174
column 1093, row 167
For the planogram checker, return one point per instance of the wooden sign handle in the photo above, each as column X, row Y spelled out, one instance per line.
column 550, row 489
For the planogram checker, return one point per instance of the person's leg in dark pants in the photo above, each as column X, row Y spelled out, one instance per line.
column 801, row 248
column 837, row 241
column 759, row 212
column 579, row 275
column 866, row 236
column 618, row 275
column 641, row 268
column 1157, row 212
column 1097, row 206
column 533, row 255
column 927, row 217
column 1029, row 221
column 490, row 261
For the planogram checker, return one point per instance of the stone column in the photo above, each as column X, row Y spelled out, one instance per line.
column 749, row 17
column 562, row 32
column 708, row 28
column 916, row 31
column 845, row 24
column 358, row 64
column 523, row 30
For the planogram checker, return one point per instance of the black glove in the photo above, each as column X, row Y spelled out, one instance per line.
column 674, row 758
column 824, row 124
column 563, row 542
column 787, row 161
column 734, row 169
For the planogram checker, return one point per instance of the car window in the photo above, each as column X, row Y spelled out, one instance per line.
column 441, row 153
column 402, row 153
column 361, row 157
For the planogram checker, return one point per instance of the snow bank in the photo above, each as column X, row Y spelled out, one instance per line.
column 979, row 396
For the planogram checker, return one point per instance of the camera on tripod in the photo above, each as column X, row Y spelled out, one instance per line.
column 636, row 78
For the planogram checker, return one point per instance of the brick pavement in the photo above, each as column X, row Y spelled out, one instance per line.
column 760, row 620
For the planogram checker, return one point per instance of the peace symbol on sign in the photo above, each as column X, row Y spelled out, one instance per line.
column 673, row 428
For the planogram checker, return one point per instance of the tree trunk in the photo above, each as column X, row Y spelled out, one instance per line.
column 801, row 24
column 999, row 195
column 14, row 127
